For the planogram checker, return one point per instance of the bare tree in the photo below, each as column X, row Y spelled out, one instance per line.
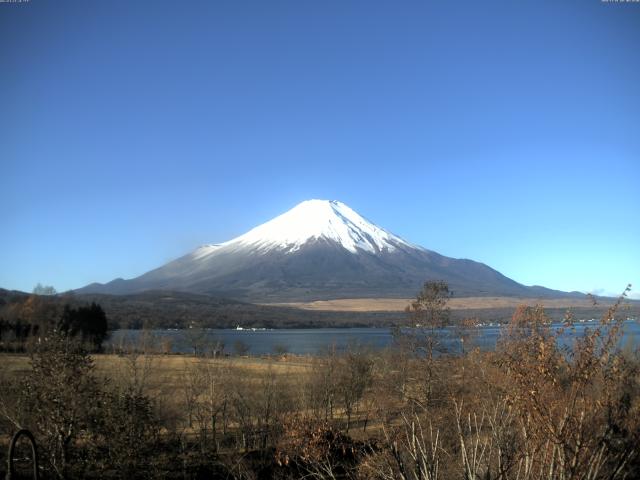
column 40, row 289
column 241, row 348
column 61, row 393
column 196, row 337
column 280, row 349
column 354, row 376
column 321, row 386
column 428, row 314
column 211, row 378
column 571, row 404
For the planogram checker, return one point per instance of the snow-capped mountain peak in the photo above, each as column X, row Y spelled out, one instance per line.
column 317, row 250
column 314, row 220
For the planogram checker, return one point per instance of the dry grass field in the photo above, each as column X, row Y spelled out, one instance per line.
column 399, row 304
column 168, row 369
column 163, row 375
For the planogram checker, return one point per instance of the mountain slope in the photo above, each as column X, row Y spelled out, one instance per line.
column 318, row 250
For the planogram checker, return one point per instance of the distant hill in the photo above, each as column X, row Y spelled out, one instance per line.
column 159, row 309
column 320, row 250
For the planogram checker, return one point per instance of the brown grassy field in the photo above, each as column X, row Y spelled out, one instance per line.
column 170, row 367
column 399, row 304
column 163, row 375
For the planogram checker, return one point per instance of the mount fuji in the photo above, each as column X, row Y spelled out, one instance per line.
column 319, row 250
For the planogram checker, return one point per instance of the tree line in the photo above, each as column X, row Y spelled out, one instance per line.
column 33, row 318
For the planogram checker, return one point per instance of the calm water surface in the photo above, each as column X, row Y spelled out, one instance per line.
column 312, row 341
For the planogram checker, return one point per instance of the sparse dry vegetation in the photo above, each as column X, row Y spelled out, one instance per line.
column 535, row 408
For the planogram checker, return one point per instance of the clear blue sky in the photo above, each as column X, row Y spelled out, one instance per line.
column 506, row 132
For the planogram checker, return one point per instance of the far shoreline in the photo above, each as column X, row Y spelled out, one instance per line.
column 454, row 303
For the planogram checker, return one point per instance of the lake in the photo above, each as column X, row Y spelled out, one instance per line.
column 302, row 341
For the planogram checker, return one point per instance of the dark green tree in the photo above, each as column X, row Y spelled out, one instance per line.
column 89, row 323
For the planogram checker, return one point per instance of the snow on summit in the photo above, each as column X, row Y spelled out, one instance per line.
column 318, row 250
column 313, row 220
